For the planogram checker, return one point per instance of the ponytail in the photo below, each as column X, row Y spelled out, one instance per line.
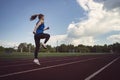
column 33, row 17
column 36, row 15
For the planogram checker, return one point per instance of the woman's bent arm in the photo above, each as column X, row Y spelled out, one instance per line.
column 34, row 31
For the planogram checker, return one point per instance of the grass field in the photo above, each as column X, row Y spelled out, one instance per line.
column 17, row 55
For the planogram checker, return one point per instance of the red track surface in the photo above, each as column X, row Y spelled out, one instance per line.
column 62, row 68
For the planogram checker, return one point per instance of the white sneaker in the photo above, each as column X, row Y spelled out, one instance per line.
column 36, row 61
column 44, row 46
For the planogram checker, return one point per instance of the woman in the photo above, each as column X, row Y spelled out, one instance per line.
column 38, row 34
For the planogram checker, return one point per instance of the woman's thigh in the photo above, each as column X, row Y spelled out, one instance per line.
column 43, row 35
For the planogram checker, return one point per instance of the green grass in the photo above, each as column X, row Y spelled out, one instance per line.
column 17, row 55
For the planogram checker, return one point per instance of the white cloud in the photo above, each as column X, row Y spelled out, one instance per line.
column 8, row 44
column 64, row 39
column 57, row 38
column 88, row 40
column 110, row 4
column 114, row 38
column 99, row 20
column 103, row 17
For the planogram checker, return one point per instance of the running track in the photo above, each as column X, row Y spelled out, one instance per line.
column 91, row 67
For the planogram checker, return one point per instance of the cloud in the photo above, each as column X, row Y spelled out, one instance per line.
column 103, row 16
column 57, row 40
column 87, row 40
column 110, row 4
column 64, row 39
column 8, row 44
column 114, row 38
column 99, row 20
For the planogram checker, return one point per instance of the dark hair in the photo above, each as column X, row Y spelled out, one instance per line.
column 36, row 15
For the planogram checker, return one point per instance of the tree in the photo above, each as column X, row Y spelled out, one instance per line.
column 105, row 48
column 62, row 48
column 9, row 50
column 22, row 47
column 116, row 47
column 83, row 49
column 2, row 49
column 70, row 48
column 49, row 49
column 30, row 48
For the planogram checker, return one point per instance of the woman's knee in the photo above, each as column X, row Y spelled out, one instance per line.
column 48, row 35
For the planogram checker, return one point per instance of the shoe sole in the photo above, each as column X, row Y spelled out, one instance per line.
column 36, row 63
column 44, row 47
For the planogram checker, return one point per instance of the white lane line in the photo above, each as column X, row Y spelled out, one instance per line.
column 26, row 60
column 47, row 67
column 33, row 63
column 100, row 70
column 13, row 61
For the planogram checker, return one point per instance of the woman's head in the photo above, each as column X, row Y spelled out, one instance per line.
column 40, row 16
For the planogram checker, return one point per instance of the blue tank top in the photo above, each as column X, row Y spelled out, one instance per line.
column 40, row 29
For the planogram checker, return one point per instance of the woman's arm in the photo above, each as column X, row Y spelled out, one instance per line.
column 39, row 23
column 46, row 28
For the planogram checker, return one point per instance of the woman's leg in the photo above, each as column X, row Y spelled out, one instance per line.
column 45, row 36
column 37, row 43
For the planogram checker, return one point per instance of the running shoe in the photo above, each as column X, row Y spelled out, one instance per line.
column 44, row 46
column 36, row 61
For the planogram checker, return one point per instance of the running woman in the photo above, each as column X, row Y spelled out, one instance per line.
column 39, row 34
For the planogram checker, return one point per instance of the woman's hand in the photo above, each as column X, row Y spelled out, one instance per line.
column 46, row 28
column 33, row 32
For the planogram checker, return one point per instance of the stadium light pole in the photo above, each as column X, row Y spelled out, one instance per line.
column 57, row 46
column 15, row 47
column 21, row 49
column 29, row 48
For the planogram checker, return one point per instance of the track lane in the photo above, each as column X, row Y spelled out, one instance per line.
column 101, row 69
column 79, row 70
column 5, row 70
column 110, row 73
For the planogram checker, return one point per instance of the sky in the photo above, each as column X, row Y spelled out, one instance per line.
column 88, row 22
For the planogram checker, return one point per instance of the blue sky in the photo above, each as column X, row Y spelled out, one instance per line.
column 15, row 14
column 59, row 15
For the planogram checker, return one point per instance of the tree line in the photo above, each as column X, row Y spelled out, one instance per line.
column 112, row 48
column 24, row 47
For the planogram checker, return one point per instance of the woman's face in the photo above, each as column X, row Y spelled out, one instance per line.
column 42, row 18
